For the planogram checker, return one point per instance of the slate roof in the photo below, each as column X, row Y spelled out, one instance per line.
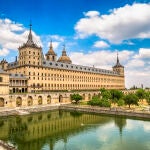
column 2, row 71
column 18, row 75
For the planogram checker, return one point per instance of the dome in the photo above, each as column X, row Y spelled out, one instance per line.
column 50, row 52
column 64, row 59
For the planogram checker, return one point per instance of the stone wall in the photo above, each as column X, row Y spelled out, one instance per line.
column 34, row 99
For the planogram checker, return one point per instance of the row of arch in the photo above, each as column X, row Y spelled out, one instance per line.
column 40, row 99
column 30, row 101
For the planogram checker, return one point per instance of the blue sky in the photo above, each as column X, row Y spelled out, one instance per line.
column 92, row 30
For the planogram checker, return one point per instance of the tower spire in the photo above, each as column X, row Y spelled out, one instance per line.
column 118, row 63
column 64, row 50
column 117, row 58
column 51, row 45
column 30, row 40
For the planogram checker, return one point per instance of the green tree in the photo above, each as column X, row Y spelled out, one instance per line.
column 96, row 101
column 120, row 102
column 102, row 90
column 104, row 102
column 140, row 93
column 131, row 99
column 106, row 94
column 116, row 95
column 76, row 98
column 147, row 97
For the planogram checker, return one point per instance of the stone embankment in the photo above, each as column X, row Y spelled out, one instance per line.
column 70, row 107
column 110, row 111
column 6, row 146
column 27, row 110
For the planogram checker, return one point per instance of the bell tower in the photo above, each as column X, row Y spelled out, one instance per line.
column 30, row 53
column 118, row 67
column 51, row 55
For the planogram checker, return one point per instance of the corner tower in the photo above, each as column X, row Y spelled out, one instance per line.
column 118, row 67
column 30, row 53
column 51, row 55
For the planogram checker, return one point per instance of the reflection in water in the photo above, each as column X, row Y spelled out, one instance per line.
column 57, row 130
column 31, row 132
column 120, row 122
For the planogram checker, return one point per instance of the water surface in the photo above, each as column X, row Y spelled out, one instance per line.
column 61, row 130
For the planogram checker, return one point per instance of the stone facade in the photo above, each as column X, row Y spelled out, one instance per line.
column 33, row 73
column 4, row 82
column 34, row 99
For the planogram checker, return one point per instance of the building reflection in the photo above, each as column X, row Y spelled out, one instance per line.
column 120, row 122
column 33, row 131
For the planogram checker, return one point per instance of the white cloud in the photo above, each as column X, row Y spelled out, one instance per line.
column 135, row 63
column 144, row 53
column 123, row 23
column 57, row 38
column 3, row 52
column 55, row 44
column 92, row 14
column 101, row 58
column 13, row 35
column 101, row 44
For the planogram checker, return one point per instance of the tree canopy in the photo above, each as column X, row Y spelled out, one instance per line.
column 140, row 93
column 102, row 102
column 116, row 95
column 131, row 99
column 76, row 98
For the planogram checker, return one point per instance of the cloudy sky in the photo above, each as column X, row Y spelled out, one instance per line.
column 92, row 30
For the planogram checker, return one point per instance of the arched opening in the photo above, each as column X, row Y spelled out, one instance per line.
column 30, row 101
column 17, row 90
column 83, row 96
column 70, row 96
column 1, row 102
column 40, row 100
column 48, row 99
column 18, row 102
column 89, row 96
column 60, row 98
column 53, row 58
column 23, row 90
column 14, row 90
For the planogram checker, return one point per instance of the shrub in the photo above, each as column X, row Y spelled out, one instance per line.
column 76, row 98
column 120, row 102
column 96, row 101
column 105, row 102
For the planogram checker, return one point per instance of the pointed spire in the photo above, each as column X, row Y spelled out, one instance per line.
column 64, row 51
column 16, row 59
column 51, row 45
column 117, row 58
column 51, row 51
column 30, row 40
column 118, row 63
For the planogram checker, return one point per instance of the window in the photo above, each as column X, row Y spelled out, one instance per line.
column 1, row 79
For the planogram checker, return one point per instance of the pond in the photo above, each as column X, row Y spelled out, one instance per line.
column 62, row 130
